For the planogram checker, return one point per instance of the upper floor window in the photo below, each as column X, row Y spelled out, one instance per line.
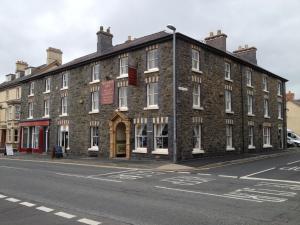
column 280, row 116
column 152, row 59
column 279, row 88
column 195, row 60
column 96, row 72
column 196, row 96
column 250, row 104
column 152, row 95
column 30, row 109
column 266, row 107
column 228, row 100
column 124, row 66
column 64, row 105
column 47, row 84
column 95, row 101
column 265, row 83
column 18, row 93
column 249, row 78
column 123, row 98
column 17, row 112
column 46, row 107
column 31, row 88
column 65, row 80
column 227, row 71
column 10, row 113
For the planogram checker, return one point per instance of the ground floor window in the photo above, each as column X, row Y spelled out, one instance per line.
column 16, row 135
column 197, row 138
column 267, row 136
column 161, row 137
column 94, row 138
column 229, row 137
column 30, row 137
column 251, row 137
column 141, row 137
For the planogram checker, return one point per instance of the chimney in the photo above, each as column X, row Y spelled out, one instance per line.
column 246, row 53
column 129, row 39
column 54, row 54
column 290, row 96
column 104, row 40
column 21, row 66
column 217, row 40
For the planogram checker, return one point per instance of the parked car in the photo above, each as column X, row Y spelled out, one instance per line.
column 293, row 142
column 292, row 135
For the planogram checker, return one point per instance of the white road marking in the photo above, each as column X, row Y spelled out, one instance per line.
column 186, row 180
column 28, row 204
column 278, row 185
column 65, row 215
column 204, row 174
column 16, row 168
column 87, row 177
column 271, row 180
column 252, row 174
column 170, row 171
column 112, row 173
column 227, row 176
column 3, row 196
column 12, row 200
column 44, row 209
column 89, row 222
column 295, row 168
column 290, row 163
column 270, row 192
column 208, row 194
column 260, row 198
column 184, row 172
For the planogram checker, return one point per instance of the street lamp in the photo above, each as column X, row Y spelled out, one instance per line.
column 171, row 27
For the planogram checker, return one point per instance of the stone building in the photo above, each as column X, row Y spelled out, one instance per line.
column 293, row 112
column 117, row 101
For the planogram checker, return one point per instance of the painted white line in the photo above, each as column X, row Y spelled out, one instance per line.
column 270, row 192
column 112, row 173
column 252, row 174
column 169, row 171
column 290, row 163
column 280, row 185
column 89, row 222
column 3, row 196
column 227, row 176
column 28, row 204
column 16, row 168
column 44, row 209
column 65, row 215
column 87, row 177
column 184, row 172
column 204, row 174
column 12, row 200
column 205, row 193
column 273, row 180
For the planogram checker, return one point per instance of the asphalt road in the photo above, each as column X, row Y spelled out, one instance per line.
column 258, row 192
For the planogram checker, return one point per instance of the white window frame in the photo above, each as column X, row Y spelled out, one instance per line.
column 196, row 96
column 47, row 85
column 140, row 138
column 64, row 106
column 152, row 95
column 197, row 135
column 152, row 60
column 17, row 112
column 30, row 110
column 228, row 101
column 267, row 137
column 31, row 89
column 158, row 128
column 280, row 110
column 250, row 104
column 18, row 93
column 123, row 66
column 266, row 108
column 65, row 80
column 96, row 73
column 9, row 136
column 123, row 95
column 227, row 71
column 249, row 78
column 16, row 135
column 10, row 112
column 251, row 137
column 46, row 107
column 94, row 138
column 195, row 60
column 265, row 83
column 229, row 137
column 279, row 88
column 95, row 101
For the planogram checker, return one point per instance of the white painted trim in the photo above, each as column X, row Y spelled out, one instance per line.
column 151, row 107
column 64, row 88
column 229, row 112
column 94, row 112
column 267, row 146
column 122, row 76
column 198, row 107
column 94, row 149
column 251, row 147
column 140, row 150
column 197, row 151
column 197, row 71
column 153, row 70
column 161, row 151
column 230, row 148
column 94, row 81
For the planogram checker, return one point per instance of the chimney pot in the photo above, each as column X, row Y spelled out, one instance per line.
column 211, row 34
column 108, row 30
column 247, row 53
column 104, row 40
column 217, row 41
column 219, row 32
column 246, row 46
column 101, row 28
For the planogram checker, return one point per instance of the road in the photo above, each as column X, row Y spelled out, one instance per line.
column 258, row 192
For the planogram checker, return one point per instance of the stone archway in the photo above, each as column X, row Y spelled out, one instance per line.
column 119, row 125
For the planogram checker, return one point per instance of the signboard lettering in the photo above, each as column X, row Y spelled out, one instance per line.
column 107, row 90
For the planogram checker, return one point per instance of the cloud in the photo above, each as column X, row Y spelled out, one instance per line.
column 29, row 27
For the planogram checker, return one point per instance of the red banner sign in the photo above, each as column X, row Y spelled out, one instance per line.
column 132, row 77
column 107, row 90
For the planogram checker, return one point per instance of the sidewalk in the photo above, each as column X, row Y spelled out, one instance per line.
column 195, row 164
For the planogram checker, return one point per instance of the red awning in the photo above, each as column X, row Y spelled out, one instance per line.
column 34, row 123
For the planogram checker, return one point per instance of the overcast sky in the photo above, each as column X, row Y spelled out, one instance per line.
column 29, row 27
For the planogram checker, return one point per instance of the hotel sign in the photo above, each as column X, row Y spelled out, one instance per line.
column 107, row 90
column 132, row 77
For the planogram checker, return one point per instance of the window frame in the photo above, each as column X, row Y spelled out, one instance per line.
column 151, row 92
column 279, row 88
column 265, row 84
column 152, row 58
column 95, row 101
column 30, row 110
column 64, row 106
column 123, row 97
column 250, row 104
column 251, row 137
column 228, row 101
column 229, row 137
column 249, row 78
column 31, row 88
column 198, row 138
column 197, row 95
column 139, row 145
column 227, row 71
column 94, row 138
column 280, row 110
column 267, row 137
column 47, row 85
column 266, row 108
column 195, row 59
column 46, row 107
column 123, row 66
column 65, row 80
column 17, row 112
column 158, row 130
column 96, row 73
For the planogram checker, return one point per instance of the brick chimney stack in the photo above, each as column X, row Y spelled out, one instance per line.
column 104, row 40
column 217, row 40
column 290, row 96
column 21, row 66
column 246, row 53
column 54, row 54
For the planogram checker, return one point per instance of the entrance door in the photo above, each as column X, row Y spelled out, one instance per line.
column 280, row 137
column 64, row 138
column 121, row 140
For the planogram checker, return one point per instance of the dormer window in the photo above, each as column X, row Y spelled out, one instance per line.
column 28, row 71
column 8, row 77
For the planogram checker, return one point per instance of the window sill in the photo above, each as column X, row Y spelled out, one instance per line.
column 139, row 150
column 94, row 112
column 267, row 146
column 250, row 86
column 230, row 148
column 151, row 70
column 32, row 95
column 94, row 149
column 197, row 151
column 198, row 107
column 94, row 82
column 228, row 79
column 266, row 91
column 161, row 151
column 151, row 107
column 46, row 92
column 197, row 71
column 267, row 117
column 46, row 117
column 229, row 112
column 122, row 109
column 280, row 96
column 64, row 88
column 63, row 115
column 280, row 118
column 250, row 114
column 251, row 147
column 30, row 118
column 122, row 76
